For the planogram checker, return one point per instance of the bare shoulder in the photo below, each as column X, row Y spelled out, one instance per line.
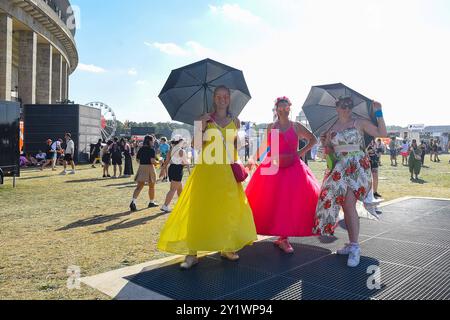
column 361, row 123
column 298, row 126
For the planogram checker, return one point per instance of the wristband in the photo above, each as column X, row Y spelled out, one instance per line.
column 379, row 114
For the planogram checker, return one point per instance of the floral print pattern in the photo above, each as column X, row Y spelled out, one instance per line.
column 352, row 170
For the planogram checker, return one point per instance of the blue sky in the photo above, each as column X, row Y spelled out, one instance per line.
column 393, row 51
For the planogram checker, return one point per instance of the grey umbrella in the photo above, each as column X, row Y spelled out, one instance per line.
column 188, row 93
column 320, row 106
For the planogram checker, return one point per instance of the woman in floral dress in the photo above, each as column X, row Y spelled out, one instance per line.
column 350, row 179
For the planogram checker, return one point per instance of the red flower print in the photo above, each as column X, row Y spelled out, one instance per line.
column 352, row 169
column 337, row 176
column 327, row 204
column 329, row 229
column 362, row 191
column 357, row 195
column 323, row 194
column 365, row 163
column 340, row 200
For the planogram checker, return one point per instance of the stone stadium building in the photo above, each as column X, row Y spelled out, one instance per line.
column 37, row 50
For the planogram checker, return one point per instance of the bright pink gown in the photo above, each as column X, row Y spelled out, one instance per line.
column 284, row 204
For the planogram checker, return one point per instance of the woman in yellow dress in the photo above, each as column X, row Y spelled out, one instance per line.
column 212, row 213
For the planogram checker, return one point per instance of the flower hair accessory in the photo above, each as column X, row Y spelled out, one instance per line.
column 283, row 99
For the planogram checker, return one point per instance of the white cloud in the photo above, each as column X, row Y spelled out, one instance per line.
column 90, row 68
column 132, row 72
column 234, row 12
column 141, row 82
column 197, row 49
column 190, row 49
column 171, row 49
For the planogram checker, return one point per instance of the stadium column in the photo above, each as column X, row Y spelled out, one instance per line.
column 64, row 80
column 6, row 32
column 56, row 77
column 27, row 66
column 44, row 73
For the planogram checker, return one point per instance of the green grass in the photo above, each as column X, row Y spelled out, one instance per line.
column 50, row 222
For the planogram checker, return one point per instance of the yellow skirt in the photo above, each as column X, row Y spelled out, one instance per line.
column 212, row 214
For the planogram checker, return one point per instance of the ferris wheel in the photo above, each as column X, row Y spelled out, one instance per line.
column 108, row 120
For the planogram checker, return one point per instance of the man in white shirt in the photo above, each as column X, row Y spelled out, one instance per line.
column 69, row 154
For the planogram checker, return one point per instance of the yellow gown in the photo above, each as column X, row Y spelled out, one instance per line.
column 212, row 213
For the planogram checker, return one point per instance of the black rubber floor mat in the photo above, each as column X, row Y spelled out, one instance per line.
column 425, row 285
column 400, row 252
column 369, row 228
column 441, row 264
column 332, row 272
column 281, row 288
column 419, row 205
column 420, row 235
column 266, row 257
column 209, row 280
column 409, row 249
column 436, row 221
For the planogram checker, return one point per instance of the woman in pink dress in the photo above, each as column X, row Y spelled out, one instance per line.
column 283, row 192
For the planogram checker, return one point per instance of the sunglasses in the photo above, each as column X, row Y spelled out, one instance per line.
column 287, row 108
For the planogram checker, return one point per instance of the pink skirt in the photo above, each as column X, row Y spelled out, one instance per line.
column 284, row 204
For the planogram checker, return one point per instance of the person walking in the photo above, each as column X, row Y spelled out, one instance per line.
column 393, row 151
column 164, row 149
column 435, row 149
column 49, row 152
column 380, row 149
column 349, row 179
column 176, row 160
column 146, row 173
column 374, row 166
column 405, row 152
column 415, row 161
column 95, row 152
column 106, row 158
column 126, row 149
column 116, row 157
column 69, row 154
column 423, row 148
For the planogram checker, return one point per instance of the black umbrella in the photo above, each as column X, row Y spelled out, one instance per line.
column 320, row 106
column 188, row 92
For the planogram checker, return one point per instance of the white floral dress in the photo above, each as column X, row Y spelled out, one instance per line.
column 352, row 170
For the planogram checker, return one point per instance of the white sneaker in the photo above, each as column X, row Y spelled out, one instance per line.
column 189, row 262
column 63, row 173
column 166, row 209
column 345, row 250
column 354, row 256
column 72, row 172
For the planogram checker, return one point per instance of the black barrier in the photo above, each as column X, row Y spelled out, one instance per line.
column 9, row 138
column 42, row 122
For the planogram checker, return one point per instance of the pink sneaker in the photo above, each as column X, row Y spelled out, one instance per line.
column 285, row 246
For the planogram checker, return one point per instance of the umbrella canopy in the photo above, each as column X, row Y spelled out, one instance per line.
column 188, row 93
column 320, row 106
